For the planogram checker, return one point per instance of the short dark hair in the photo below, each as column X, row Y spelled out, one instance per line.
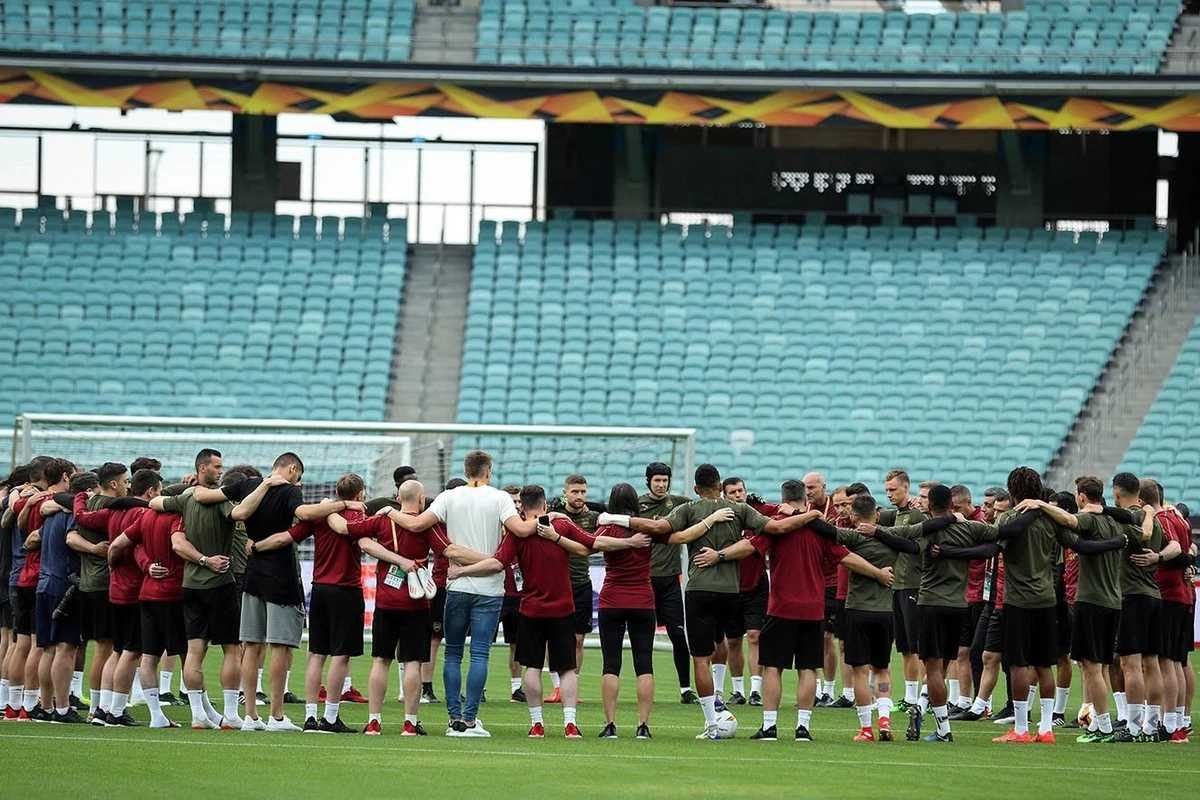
column 108, row 472
column 206, row 455
column 623, row 499
column 56, row 469
column 288, row 459
column 708, row 476
column 792, row 490
column 348, row 486
column 731, row 481
column 1183, row 510
column 236, row 475
column 143, row 481
column 655, row 468
column 574, row 479
column 1025, row 483
column 37, row 467
column 1066, row 501
column 961, row 491
column 1002, row 495
column 857, row 488
column 145, row 462
column 1127, row 482
column 991, row 491
column 1149, row 492
column 82, row 481
column 402, row 474
column 18, row 476
column 247, row 470
column 939, row 497
column 454, row 483
column 1090, row 487
column 512, row 488
column 863, row 506
column 476, row 463
column 532, row 496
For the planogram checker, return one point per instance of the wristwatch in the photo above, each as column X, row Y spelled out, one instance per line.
column 720, row 555
column 203, row 560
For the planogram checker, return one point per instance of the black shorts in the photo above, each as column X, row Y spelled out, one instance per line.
column 830, row 608
column 97, row 617
column 24, row 608
column 1178, row 633
column 163, row 629
column 639, row 623
column 50, row 631
column 941, row 629
column 400, row 635
column 785, row 643
column 751, row 609
column 1094, row 633
column 906, row 619
column 239, row 580
column 1141, row 629
column 1191, row 640
column 6, row 615
column 974, row 612
column 553, row 634
column 709, row 615
column 839, row 621
column 1030, row 636
column 582, row 593
column 213, row 614
column 335, row 620
column 867, row 638
column 126, row 627
column 1063, row 613
column 437, row 613
column 510, row 619
column 668, row 601
column 993, row 639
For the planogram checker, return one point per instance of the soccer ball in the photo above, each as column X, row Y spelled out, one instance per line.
column 726, row 725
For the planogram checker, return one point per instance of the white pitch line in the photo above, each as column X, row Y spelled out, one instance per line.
column 593, row 755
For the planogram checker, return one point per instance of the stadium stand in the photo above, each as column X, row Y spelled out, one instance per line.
column 734, row 332
column 1167, row 446
column 1049, row 36
column 324, row 30
column 189, row 301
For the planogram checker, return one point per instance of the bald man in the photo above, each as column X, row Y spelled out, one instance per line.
column 818, row 498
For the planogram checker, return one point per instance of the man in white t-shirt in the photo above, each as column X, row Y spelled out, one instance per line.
column 475, row 516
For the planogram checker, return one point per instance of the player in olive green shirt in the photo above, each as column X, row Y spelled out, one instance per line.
column 664, row 574
column 576, row 509
column 905, row 613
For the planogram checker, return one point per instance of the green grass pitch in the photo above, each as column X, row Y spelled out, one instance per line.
column 38, row 760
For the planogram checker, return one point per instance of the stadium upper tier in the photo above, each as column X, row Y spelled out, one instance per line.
column 1057, row 36
column 955, row 351
column 194, row 321
column 324, row 30
column 1167, row 446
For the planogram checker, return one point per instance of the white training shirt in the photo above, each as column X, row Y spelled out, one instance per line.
column 474, row 517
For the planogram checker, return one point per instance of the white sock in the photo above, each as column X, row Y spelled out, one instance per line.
column 164, row 682
column 287, row 680
column 331, row 711
column 739, row 684
column 1136, row 713
column 1046, row 721
column 259, row 689
column 555, row 679
column 310, row 710
column 1021, row 716
column 942, row 718
column 1186, row 721
column 514, row 684
column 884, row 706
column 211, row 712
column 136, row 693
column 535, row 715
column 803, row 717
column 827, row 687
column 979, row 706
column 1152, row 718
column 3, row 692
column 568, row 716
column 1032, row 695
column 864, row 716
column 347, row 685
column 1170, row 721
column 157, row 718
column 848, row 693
column 871, row 681
column 1179, row 711
column 923, row 703
column 770, row 719
column 682, row 689
column 1103, row 723
column 399, row 671
column 756, row 684
column 955, row 692
column 718, row 676
column 183, row 687
column 1060, row 699
column 61, row 711
column 964, row 702
column 411, row 718
column 910, row 691
column 196, row 701
column 230, row 697
column 119, row 703
column 709, row 706
column 77, row 682
column 1122, row 705
column 16, row 695
column 989, row 705
column 106, row 699
column 29, row 699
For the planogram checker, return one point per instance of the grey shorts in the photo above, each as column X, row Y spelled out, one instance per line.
column 264, row 622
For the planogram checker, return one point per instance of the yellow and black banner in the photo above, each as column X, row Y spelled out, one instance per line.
column 802, row 109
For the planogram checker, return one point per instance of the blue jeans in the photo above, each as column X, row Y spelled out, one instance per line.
column 480, row 615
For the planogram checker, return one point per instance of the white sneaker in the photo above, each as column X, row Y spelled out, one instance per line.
column 252, row 724
column 450, row 730
column 203, row 724
column 477, row 730
column 422, row 700
column 709, row 733
column 284, row 725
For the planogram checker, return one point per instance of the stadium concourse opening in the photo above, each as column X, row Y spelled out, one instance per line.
column 826, row 357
